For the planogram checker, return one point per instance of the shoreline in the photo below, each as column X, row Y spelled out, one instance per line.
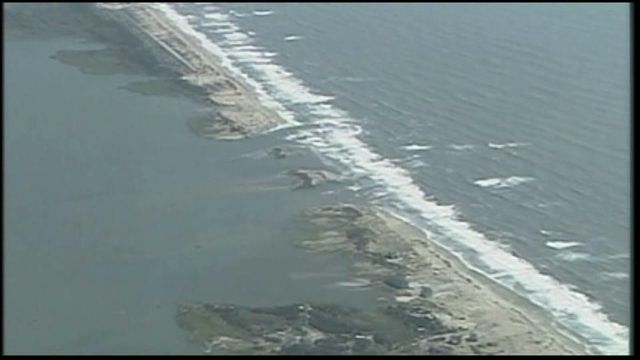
column 236, row 101
column 462, row 297
column 529, row 311
column 238, row 112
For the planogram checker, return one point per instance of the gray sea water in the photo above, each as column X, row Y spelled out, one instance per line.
column 501, row 130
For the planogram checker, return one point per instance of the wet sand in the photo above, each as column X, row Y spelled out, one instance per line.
column 385, row 247
column 503, row 322
column 238, row 111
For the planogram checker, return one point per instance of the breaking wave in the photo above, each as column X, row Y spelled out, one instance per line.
column 462, row 147
column 559, row 245
column 616, row 275
column 262, row 12
column 333, row 134
column 498, row 183
column 416, row 147
column 506, row 145
column 573, row 256
column 292, row 38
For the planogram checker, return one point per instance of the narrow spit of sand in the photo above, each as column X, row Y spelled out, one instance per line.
column 461, row 298
column 238, row 112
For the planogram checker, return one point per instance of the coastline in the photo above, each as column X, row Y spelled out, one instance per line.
column 448, row 266
column 241, row 115
column 238, row 110
column 463, row 298
column 520, row 307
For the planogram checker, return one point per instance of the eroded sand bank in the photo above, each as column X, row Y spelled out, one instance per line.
column 436, row 304
column 389, row 251
column 238, row 111
column 431, row 303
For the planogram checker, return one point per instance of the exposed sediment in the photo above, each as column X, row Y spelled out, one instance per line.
column 238, row 111
column 304, row 328
column 393, row 254
column 430, row 303
column 310, row 178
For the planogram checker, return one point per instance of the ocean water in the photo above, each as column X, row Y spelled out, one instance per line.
column 500, row 130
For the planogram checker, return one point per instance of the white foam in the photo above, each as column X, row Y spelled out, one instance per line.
column 506, row 145
column 616, row 275
column 284, row 84
column 416, row 147
column 573, row 256
column 237, row 36
column 354, row 188
column 559, row 245
column 619, row 256
column 292, row 37
column 238, row 14
column 333, row 134
column 262, row 12
column 247, row 48
column 355, row 283
column 499, row 183
column 550, row 233
column 225, row 61
column 212, row 24
column 405, row 298
column 462, row 147
column 215, row 16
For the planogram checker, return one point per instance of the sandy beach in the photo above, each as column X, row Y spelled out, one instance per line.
column 463, row 299
column 341, row 235
column 238, row 112
column 492, row 320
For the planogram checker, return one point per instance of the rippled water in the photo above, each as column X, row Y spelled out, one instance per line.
column 503, row 130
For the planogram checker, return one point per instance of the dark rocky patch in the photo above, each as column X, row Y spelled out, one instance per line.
column 396, row 281
column 454, row 339
column 278, row 153
column 306, row 329
column 440, row 350
column 471, row 338
column 417, row 318
column 359, row 236
column 426, row 292
column 310, row 178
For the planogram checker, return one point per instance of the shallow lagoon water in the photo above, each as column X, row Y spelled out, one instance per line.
column 115, row 211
